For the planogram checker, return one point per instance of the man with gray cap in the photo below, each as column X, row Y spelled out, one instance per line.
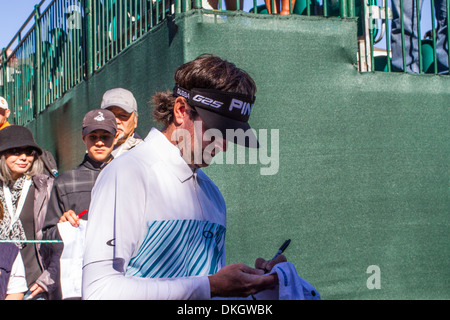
column 122, row 103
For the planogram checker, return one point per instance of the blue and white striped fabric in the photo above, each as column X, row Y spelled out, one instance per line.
column 180, row 248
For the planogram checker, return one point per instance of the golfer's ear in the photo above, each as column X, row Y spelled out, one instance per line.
column 179, row 110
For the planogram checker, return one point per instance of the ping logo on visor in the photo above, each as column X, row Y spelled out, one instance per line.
column 231, row 105
column 245, row 107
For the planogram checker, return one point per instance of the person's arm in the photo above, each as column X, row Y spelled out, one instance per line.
column 14, row 296
column 115, row 230
column 17, row 284
column 51, row 252
column 55, row 211
column 102, row 282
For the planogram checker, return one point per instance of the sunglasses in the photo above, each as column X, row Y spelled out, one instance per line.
column 18, row 151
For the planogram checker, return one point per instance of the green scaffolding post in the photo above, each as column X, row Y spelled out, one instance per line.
column 3, row 75
column 37, row 61
column 89, row 11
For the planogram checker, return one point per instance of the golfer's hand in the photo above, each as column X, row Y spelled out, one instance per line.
column 267, row 266
column 240, row 280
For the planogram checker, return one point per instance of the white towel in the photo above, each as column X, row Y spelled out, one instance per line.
column 71, row 261
column 290, row 286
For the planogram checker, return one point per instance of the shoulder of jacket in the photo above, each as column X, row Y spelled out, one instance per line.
column 43, row 180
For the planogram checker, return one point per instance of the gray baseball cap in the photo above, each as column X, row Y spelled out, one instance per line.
column 121, row 98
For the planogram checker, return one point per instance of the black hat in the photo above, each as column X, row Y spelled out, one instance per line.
column 99, row 119
column 223, row 111
column 16, row 136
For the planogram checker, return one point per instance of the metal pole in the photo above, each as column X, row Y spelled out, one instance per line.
column 433, row 28
column 37, row 61
column 343, row 8
column 351, row 8
column 3, row 75
column 388, row 40
column 448, row 32
column 88, row 10
column 419, row 36
column 403, row 35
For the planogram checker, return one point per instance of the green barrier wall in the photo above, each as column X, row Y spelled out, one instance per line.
column 359, row 179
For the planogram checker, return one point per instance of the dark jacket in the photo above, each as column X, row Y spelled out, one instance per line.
column 33, row 217
column 71, row 191
column 43, row 185
column 8, row 254
column 42, row 188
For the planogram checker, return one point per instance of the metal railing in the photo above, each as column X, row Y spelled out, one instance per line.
column 69, row 40
column 405, row 36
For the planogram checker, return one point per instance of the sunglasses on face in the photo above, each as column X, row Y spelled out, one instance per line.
column 19, row 151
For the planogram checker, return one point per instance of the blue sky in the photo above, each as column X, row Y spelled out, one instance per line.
column 12, row 16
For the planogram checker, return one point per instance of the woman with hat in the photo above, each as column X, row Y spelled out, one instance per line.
column 24, row 193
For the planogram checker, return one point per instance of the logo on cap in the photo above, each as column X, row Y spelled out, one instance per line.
column 183, row 93
column 207, row 101
column 100, row 117
column 245, row 107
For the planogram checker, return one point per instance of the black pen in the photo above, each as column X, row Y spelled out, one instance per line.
column 282, row 248
column 280, row 251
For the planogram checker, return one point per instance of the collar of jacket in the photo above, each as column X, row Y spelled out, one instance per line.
column 92, row 164
column 4, row 125
column 41, row 181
